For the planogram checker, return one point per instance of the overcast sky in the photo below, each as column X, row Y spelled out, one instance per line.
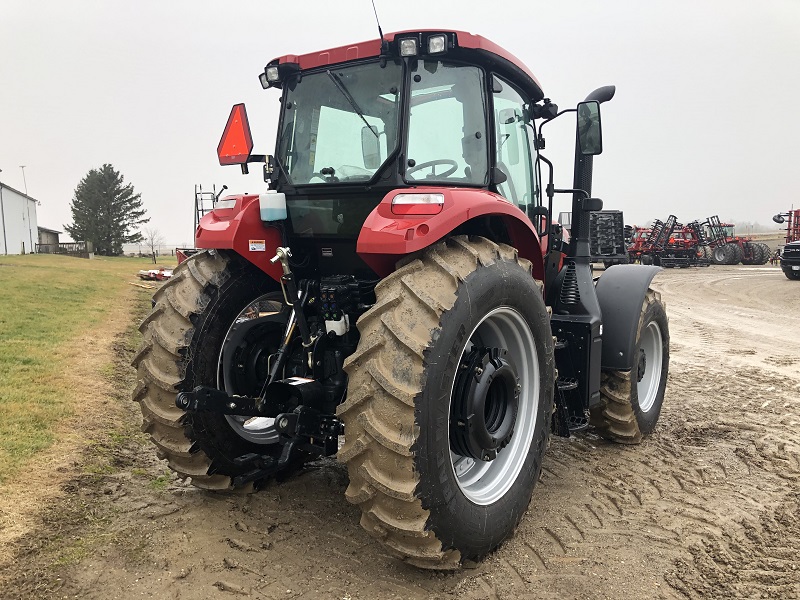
column 704, row 121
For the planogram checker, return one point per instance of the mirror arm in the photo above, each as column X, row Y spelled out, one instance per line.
column 253, row 158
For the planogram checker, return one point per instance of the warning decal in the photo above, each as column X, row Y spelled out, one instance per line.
column 258, row 245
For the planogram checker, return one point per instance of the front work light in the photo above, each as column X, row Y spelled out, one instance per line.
column 417, row 204
column 408, row 47
column 437, row 44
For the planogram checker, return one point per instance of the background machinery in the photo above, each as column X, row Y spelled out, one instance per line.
column 400, row 284
column 790, row 258
column 729, row 249
column 668, row 244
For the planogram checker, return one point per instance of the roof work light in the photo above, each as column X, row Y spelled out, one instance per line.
column 437, row 44
column 408, row 47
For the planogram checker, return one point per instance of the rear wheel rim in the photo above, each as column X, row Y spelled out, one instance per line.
column 647, row 387
column 485, row 482
column 257, row 430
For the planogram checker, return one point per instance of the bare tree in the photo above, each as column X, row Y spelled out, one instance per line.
column 153, row 239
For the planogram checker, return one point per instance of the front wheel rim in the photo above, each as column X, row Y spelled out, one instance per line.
column 652, row 346
column 485, row 482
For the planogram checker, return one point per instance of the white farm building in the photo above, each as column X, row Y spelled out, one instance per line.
column 18, row 225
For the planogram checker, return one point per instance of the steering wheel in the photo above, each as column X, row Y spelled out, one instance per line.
column 432, row 163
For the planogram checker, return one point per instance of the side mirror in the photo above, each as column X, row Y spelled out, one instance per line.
column 370, row 147
column 590, row 134
column 779, row 219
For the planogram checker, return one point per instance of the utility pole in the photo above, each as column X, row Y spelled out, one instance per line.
column 27, row 204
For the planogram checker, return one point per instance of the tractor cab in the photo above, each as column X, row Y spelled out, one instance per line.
column 427, row 108
column 437, row 128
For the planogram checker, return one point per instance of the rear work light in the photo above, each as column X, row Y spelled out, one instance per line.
column 437, row 44
column 408, row 47
column 417, row 204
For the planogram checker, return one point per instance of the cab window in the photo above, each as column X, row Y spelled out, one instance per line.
column 513, row 155
column 447, row 125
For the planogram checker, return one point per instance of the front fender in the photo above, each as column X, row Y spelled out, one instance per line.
column 386, row 237
column 621, row 291
column 236, row 225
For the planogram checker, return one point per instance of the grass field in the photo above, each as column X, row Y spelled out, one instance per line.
column 47, row 301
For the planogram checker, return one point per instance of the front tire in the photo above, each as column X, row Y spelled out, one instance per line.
column 719, row 255
column 421, row 493
column 631, row 400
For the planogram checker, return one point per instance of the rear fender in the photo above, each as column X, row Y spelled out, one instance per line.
column 386, row 237
column 621, row 291
column 235, row 224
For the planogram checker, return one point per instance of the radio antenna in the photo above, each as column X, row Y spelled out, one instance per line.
column 384, row 45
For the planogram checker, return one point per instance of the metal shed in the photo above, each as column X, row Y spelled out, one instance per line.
column 18, row 225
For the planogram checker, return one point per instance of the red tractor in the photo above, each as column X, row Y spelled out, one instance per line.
column 399, row 284
column 728, row 249
column 790, row 259
column 635, row 241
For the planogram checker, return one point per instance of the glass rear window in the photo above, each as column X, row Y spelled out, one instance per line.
column 447, row 125
column 340, row 124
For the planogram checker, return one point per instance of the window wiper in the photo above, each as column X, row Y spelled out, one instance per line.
column 340, row 86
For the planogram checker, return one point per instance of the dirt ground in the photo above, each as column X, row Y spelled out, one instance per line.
column 707, row 507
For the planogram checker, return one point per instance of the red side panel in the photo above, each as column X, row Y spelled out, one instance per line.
column 240, row 228
column 386, row 237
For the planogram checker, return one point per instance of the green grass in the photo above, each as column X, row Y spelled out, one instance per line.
column 45, row 302
column 161, row 482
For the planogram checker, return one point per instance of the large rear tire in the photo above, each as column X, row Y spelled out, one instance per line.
column 421, row 491
column 765, row 253
column 193, row 314
column 735, row 254
column 631, row 400
column 719, row 255
column 755, row 255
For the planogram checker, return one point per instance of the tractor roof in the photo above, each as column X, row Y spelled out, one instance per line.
column 467, row 46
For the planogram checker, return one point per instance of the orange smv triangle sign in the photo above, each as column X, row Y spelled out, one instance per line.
column 236, row 144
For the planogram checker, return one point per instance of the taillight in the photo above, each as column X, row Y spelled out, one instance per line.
column 417, row 204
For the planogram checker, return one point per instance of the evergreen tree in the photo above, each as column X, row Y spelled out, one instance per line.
column 105, row 211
